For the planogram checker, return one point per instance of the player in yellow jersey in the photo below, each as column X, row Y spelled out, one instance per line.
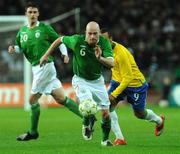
column 128, row 81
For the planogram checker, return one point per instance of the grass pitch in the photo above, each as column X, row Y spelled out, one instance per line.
column 60, row 133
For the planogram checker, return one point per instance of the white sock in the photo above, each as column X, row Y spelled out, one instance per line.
column 152, row 117
column 115, row 125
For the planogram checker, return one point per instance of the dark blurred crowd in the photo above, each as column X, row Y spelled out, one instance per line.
column 149, row 28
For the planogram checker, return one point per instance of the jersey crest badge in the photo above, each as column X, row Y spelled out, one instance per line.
column 37, row 34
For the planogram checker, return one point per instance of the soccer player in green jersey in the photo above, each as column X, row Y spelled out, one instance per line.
column 90, row 52
column 128, row 81
column 33, row 40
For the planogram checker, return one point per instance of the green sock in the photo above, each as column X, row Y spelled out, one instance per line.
column 72, row 106
column 35, row 112
column 86, row 121
column 106, row 127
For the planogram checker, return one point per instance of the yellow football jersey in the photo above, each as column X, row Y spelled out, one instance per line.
column 125, row 70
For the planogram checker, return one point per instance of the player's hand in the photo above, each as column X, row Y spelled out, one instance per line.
column 43, row 60
column 98, row 52
column 11, row 49
column 113, row 101
column 66, row 59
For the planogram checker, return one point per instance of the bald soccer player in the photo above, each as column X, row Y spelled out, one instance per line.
column 90, row 53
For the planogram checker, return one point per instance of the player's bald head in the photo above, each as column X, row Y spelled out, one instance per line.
column 92, row 33
column 92, row 26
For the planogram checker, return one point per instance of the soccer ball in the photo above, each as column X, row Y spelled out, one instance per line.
column 88, row 107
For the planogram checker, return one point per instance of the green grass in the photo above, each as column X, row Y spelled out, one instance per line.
column 60, row 133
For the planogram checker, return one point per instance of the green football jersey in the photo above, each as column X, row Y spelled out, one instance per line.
column 34, row 42
column 85, row 63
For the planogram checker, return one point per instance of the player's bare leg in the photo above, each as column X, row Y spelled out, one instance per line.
column 152, row 117
column 60, row 97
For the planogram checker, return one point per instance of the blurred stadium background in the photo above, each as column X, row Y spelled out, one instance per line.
column 149, row 28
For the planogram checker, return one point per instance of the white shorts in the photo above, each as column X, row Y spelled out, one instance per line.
column 45, row 79
column 95, row 90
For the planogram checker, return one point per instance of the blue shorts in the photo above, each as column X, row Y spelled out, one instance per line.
column 135, row 96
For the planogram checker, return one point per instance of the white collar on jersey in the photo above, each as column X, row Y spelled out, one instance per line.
column 37, row 24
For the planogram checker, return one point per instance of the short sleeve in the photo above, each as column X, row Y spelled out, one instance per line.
column 70, row 41
column 52, row 35
column 107, row 49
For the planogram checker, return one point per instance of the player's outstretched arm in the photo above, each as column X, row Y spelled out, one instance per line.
column 55, row 44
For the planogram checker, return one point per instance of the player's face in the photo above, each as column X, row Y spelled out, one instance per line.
column 92, row 36
column 32, row 14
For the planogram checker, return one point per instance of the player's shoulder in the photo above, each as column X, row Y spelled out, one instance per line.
column 79, row 37
column 23, row 27
column 45, row 25
column 120, row 49
column 75, row 37
column 102, row 38
column 103, row 41
column 120, row 46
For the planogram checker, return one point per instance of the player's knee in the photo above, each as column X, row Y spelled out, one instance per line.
column 139, row 115
column 59, row 96
column 34, row 98
column 105, row 114
column 60, row 99
column 31, row 101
